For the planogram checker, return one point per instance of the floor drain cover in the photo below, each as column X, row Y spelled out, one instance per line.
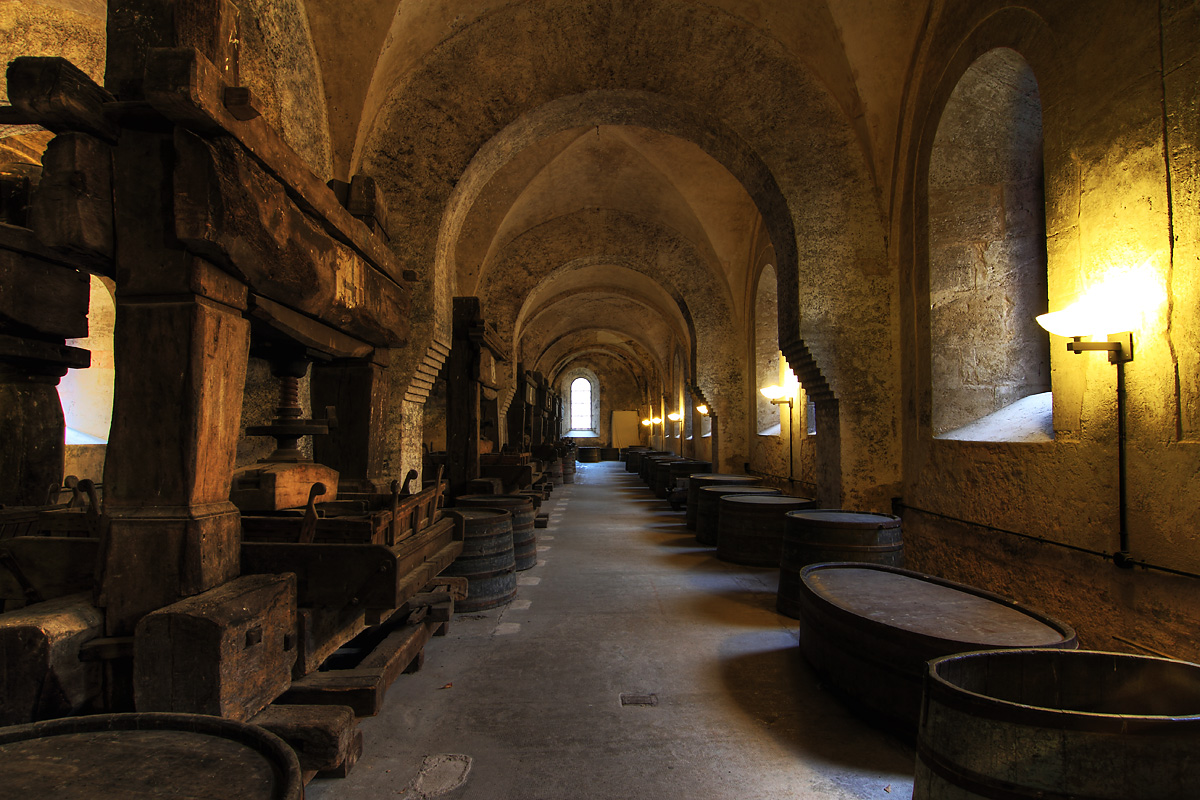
column 639, row 699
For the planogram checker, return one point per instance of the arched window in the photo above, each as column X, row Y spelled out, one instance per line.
column 767, row 358
column 581, row 405
column 987, row 257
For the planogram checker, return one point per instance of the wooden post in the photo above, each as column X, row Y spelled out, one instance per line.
column 462, row 398
column 360, row 391
column 181, row 346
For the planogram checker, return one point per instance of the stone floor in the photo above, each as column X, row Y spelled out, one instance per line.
column 525, row 702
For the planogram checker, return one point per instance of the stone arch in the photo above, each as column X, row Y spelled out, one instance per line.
column 476, row 97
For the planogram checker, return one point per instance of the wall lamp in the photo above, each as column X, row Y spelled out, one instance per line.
column 674, row 416
column 778, row 395
column 703, row 409
column 1074, row 322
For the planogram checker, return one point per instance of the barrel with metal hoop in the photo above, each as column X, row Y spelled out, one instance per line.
column 712, row 479
column 147, row 756
column 1058, row 724
column 750, row 527
column 709, row 508
column 812, row 536
column 523, row 515
column 487, row 561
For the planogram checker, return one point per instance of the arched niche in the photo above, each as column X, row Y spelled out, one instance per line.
column 987, row 257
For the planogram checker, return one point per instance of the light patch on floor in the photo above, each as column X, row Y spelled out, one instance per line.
column 528, row 580
column 546, row 538
column 543, row 548
column 439, row 775
column 507, row 628
column 520, row 605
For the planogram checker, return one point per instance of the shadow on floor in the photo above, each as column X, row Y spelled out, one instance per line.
column 777, row 688
column 743, row 608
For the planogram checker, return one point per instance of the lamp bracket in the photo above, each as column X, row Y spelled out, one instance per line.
column 1119, row 347
column 778, row 401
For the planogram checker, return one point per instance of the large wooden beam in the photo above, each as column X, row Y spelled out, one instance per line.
column 231, row 211
column 186, row 88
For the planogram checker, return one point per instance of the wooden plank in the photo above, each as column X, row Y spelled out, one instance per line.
column 321, row 631
column 53, row 300
column 322, row 735
column 366, row 201
column 227, row 652
column 228, row 209
column 39, row 660
column 19, row 349
column 306, row 330
column 393, row 655
column 24, row 241
column 59, row 95
column 360, row 689
column 185, row 87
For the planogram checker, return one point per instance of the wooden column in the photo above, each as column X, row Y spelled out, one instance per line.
column 462, row 398
column 181, row 347
column 360, row 391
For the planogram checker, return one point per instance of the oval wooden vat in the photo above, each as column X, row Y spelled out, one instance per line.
column 708, row 508
column 1059, row 724
column 588, row 455
column 488, row 560
column 146, row 755
column 750, row 527
column 868, row 630
column 712, row 479
column 814, row 536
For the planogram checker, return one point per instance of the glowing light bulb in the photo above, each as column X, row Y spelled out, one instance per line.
column 703, row 409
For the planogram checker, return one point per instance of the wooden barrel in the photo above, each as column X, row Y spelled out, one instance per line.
column 588, row 455
column 521, row 508
column 660, row 474
column 146, row 756
column 709, row 508
column 556, row 470
column 683, row 469
column 633, row 457
column 869, row 629
column 817, row 535
column 487, row 561
column 568, row 469
column 650, row 464
column 610, row 454
column 712, row 479
column 750, row 527
column 1059, row 724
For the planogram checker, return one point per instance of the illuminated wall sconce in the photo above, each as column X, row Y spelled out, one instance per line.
column 778, row 395
column 657, row 420
column 1083, row 319
column 1076, row 321
column 646, row 422
column 674, row 416
column 703, row 409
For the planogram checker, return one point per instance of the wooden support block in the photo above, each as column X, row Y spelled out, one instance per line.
column 52, row 301
column 323, row 736
column 40, row 668
column 277, row 486
column 456, row 587
column 541, row 520
column 352, row 757
column 416, row 664
column 59, row 95
column 72, row 208
column 227, row 652
column 242, row 103
column 321, row 631
column 365, row 201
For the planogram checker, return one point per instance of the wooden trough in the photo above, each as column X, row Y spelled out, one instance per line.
column 869, row 630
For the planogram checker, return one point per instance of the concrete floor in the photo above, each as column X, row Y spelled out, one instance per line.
column 524, row 702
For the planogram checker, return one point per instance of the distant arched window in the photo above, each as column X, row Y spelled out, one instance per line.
column 581, row 404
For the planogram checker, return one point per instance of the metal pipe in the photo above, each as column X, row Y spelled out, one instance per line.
column 1121, row 557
